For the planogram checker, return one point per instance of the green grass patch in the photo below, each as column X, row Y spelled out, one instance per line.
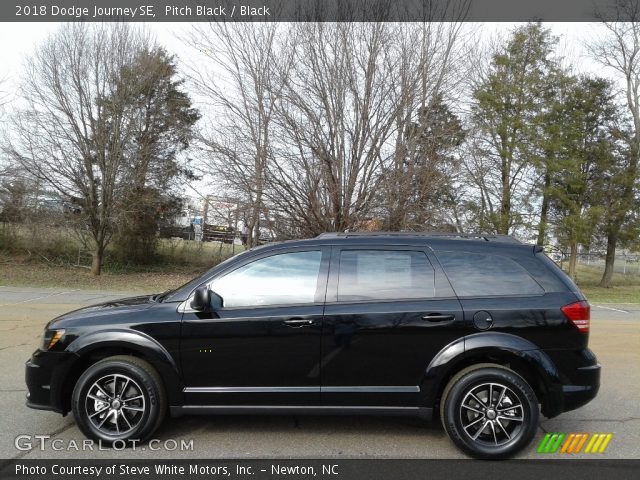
column 625, row 288
column 619, row 294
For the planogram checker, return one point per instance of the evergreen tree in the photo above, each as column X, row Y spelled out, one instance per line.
column 508, row 109
column 585, row 146
column 163, row 123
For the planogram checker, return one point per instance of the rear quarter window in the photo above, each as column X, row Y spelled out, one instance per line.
column 477, row 274
column 555, row 280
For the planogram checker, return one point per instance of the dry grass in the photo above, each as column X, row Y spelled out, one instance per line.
column 38, row 257
column 57, row 246
column 42, row 275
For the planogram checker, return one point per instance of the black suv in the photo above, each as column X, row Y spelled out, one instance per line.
column 481, row 330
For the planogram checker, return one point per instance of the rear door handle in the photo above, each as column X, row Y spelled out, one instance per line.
column 298, row 322
column 437, row 317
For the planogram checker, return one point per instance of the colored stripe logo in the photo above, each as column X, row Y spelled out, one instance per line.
column 573, row 443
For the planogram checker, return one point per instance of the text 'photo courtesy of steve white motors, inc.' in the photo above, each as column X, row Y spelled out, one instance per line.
column 229, row 469
column 319, row 239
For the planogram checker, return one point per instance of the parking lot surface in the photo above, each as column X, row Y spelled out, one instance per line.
column 615, row 338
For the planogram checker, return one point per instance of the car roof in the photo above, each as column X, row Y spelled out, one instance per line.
column 442, row 235
column 437, row 241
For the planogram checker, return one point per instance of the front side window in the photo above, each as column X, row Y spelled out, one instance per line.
column 384, row 275
column 478, row 275
column 287, row 278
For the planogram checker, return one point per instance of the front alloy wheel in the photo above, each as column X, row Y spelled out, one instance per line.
column 119, row 398
column 115, row 404
column 489, row 411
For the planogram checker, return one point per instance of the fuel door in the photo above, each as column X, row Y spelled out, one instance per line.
column 482, row 320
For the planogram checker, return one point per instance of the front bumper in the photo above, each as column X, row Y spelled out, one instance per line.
column 45, row 374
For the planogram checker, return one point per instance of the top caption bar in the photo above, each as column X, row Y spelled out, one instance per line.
column 310, row 10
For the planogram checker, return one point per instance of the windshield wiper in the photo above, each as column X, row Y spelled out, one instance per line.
column 160, row 296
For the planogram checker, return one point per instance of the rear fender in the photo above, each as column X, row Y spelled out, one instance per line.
column 485, row 345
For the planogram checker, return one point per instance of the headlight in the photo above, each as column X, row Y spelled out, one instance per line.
column 51, row 337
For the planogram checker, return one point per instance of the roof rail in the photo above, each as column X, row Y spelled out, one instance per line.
column 462, row 236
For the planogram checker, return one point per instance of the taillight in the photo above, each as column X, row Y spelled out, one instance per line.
column 578, row 313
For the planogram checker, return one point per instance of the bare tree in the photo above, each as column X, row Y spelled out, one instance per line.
column 4, row 98
column 355, row 93
column 620, row 51
column 76, row 123
column 308, row 117
column 427, row 75
column 335, row 117
column 240, row 89
column 4, row 93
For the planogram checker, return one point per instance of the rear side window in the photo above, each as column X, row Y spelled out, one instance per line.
column 475, row 275
column 384, row 274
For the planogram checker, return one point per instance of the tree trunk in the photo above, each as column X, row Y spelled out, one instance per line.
column 573, row 256
column 505, row 204
column 253, row 228
column 96, row 263
column 250, row 228
column 544, row 211
column 612, row 240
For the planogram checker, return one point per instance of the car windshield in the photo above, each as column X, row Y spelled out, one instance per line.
column 167, row 295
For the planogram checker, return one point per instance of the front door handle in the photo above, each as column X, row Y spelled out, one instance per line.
column 298, row 322
column 437, row 317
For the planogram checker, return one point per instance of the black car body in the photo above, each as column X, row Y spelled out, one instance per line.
column 339, row 324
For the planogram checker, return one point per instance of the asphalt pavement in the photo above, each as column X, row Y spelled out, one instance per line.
column 615, row 338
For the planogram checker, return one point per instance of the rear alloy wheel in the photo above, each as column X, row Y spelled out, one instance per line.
column 119, row 398
column 490, row 412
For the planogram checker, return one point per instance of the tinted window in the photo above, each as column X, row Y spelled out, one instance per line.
column 288, row 278
column 384, row 274
column 473, row 274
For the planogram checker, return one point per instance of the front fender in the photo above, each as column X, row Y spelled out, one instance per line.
column 143, row 345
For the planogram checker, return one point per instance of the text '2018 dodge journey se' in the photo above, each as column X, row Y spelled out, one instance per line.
column 482, row 331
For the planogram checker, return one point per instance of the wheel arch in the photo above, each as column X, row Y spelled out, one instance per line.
column 516, row 353
column 99, row 345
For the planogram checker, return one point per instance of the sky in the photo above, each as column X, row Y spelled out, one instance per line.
column 18, row 41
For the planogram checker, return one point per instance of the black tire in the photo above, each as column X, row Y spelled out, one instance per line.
column 501, row 427
column 120, row 398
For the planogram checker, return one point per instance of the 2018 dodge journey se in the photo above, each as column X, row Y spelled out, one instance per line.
column 481, row 331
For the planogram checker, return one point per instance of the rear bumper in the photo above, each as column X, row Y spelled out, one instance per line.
column 579, row 386
column 45, row 373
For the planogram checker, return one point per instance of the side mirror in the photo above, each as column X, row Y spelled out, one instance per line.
column 200, row 301
column 215, row 300
column 205, row 299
